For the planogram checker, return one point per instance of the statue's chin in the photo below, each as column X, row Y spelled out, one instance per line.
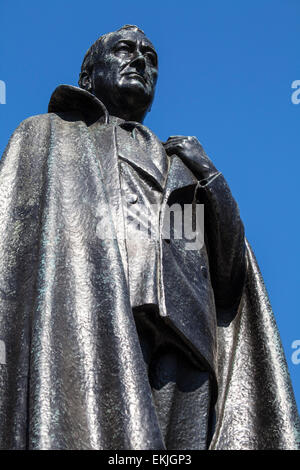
column 130, row 96
column 135, row 96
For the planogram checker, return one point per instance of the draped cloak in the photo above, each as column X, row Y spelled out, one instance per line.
column 72, row 374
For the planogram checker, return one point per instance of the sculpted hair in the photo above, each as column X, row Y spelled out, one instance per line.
column 95, row 49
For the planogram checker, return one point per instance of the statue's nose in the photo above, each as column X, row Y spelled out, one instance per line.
column 139, row 62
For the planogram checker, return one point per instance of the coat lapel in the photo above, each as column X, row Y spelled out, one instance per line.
column 131, row 150
column 179, row 177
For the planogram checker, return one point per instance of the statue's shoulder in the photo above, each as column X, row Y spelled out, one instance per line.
column 42, row 123
column 35, row 122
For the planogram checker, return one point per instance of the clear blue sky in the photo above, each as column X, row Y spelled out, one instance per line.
column 226, row 69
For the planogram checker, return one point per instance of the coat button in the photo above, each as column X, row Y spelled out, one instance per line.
column 132, row 198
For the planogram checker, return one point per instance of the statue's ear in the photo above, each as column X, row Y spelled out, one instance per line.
column 85, row 81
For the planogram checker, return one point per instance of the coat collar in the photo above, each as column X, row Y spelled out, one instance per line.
column 68, row 98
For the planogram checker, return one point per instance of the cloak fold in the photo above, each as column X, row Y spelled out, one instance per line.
column 74, row 375
column 256, row 408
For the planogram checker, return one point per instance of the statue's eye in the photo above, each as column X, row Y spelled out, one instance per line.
column 152, row 58
column 123, row 48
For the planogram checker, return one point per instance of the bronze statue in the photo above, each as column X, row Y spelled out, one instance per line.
column 115, row 339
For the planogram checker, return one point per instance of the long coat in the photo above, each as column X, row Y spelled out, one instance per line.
column 72, row 374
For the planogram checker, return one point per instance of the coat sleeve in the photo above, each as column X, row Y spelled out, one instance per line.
column 224, row 239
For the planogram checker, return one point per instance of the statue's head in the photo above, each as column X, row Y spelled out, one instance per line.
column 120, row 68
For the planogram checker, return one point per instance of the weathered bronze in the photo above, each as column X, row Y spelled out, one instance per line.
column 114, row 337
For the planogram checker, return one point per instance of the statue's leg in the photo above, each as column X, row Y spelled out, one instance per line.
column 181, row 390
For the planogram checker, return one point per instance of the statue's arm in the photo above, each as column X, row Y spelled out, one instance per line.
column 224, row 238
column 224, row 230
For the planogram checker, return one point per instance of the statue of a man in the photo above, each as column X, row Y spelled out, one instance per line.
column 117, row 336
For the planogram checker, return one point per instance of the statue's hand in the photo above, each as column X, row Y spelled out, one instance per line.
column 192, row 154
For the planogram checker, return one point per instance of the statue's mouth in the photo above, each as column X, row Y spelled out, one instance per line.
column 136, row 75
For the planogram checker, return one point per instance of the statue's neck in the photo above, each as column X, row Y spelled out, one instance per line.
column 123, row 112
column 136, row 116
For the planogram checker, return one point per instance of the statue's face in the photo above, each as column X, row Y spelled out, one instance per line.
column 125, row 72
